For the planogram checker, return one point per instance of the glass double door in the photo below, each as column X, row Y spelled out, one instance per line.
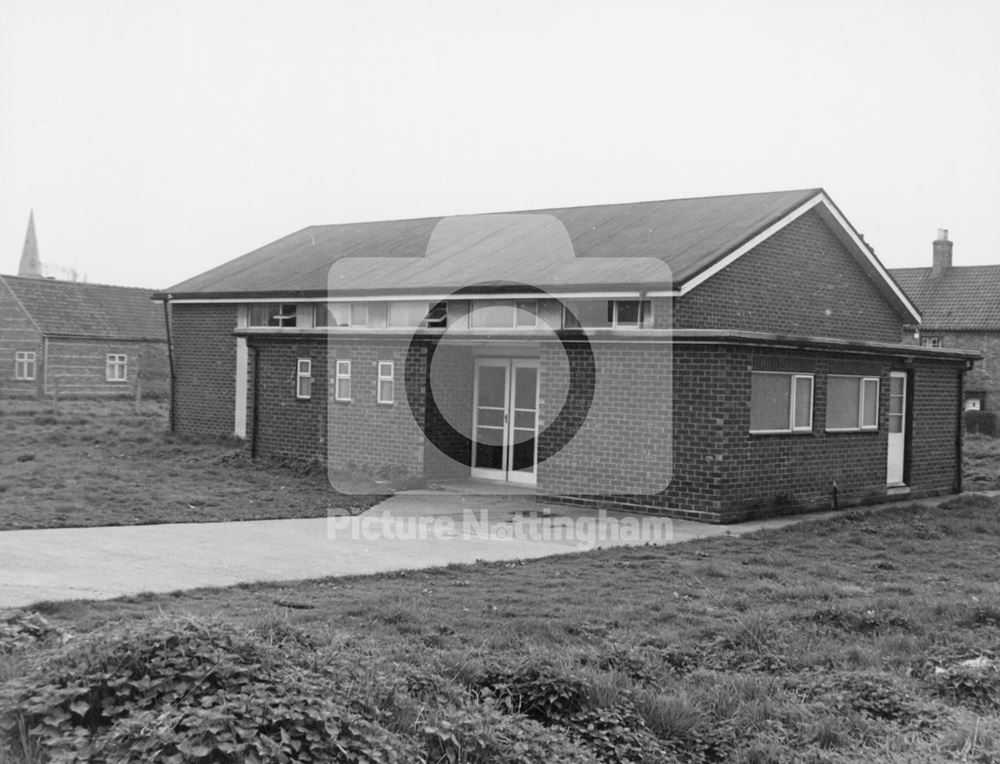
column 505, row 420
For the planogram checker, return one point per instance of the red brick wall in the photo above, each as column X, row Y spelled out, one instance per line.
column 17, row 333
column 985, row 375
column 800, row 281
column 450, row 377
column 204, row 368
column 935, row 392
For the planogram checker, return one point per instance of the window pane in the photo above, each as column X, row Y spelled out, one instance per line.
column 495, row 314
column 842, row 403
column 359, row 314
column 305, row 387
column 628, row 312
column 377, row 315
column 588, row 313
column 869, row 417
column 803, row 402
column 769, row 401
column 386, row 390
column 344, row 388
column 337, row 314
column 437, row 316
column 407, row 314
column 526, row 313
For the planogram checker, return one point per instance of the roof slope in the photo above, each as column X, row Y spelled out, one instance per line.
column 546, row 248
column 74, row 309
column 961, row 298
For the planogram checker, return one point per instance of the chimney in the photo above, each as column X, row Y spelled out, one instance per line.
column 942, row 253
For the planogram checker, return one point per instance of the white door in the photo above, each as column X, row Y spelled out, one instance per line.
column 505, row 420
column 897, row 427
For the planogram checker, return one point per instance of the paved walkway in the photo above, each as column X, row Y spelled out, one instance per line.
column 415, row 529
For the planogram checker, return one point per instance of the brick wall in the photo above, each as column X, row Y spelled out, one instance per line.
column 800, row 281
column 985, row 375
column 722, row 472
column 448, row 449
column 935, row 394
column 204, row 367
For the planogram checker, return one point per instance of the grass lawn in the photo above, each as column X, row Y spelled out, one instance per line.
column 100, row 463
column 981, row 463
column 843, row 640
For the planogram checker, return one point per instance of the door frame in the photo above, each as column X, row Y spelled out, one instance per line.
column 898, row 448
column 505, row 474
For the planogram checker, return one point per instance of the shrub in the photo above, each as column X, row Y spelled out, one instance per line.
column 176, row 691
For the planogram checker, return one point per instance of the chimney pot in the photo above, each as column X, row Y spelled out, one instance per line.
column 942, row 253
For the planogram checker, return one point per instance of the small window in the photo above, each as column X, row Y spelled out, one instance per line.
column 932, row 342
column 270, row 314
column 631, row 313
column 386, row 382
column 24, row 365
column 342, row 382
column 116, row 367
column 851, row 403
column 406, row 314
column 303, row 379
column 780, row 402
column 437, row 316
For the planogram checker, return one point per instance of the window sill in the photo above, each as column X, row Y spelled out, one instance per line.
column 768, row 433
column 854, row 430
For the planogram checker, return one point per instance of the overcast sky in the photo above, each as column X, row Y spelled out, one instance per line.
column 158, row 139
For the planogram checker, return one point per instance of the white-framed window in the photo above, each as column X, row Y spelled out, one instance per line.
column 932, row 342
column 25, row 365
column 116, row 367
column 386, row 382
column 273, row 314
column 504, row 314
column 407, row 314
column 851, row 403
column 781, row 402
column 303, row 379
column 597, row 314
column 342, row 381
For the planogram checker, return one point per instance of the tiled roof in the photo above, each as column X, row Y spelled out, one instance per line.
column 661, row 243
column 70, row 308
column 960, row 298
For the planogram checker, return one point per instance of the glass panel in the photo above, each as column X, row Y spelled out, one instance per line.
column 526, row 313
column 895, row 423
column 869, row 417
column 359, row 314
column 489, row 449
column 437, row 316
column 407, row 314
column 305, row 387
column 803, row 402
column 259, row 315
column 386, row 391
column 896, row 385
column 588, row 313
column 344, row 388
column 524, row 456
column 895, row 404
column 377, row 315
column 842, row 403
column 492, row 387
column 525, row 419
column 333, row 314
column 628, row 312
column 487, row 417
column 525, row 387
column 769, row 401
column 497, row 314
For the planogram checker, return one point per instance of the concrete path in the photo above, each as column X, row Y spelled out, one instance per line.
column 415, row 529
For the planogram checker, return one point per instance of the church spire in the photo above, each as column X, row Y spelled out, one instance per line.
column 30, row 264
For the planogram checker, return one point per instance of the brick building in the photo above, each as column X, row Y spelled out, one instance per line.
column 716, row 358
column 960, row 307
column 74, row 339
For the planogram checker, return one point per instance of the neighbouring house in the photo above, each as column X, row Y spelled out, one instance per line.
column 714, row 358
column 960, row 307
column 68, row 338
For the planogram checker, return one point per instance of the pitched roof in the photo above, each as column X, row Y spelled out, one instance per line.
column 74, row 309
column 961, row 298
column 687, row 235
column 652, row 246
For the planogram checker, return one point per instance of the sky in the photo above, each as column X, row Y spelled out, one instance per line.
column 155, row 140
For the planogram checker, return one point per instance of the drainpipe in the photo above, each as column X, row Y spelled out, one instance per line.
column 254, row 407
column 961, row 424
column 170, row 359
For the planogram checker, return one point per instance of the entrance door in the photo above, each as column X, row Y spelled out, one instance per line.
column 505, row 420
column 897, row 427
